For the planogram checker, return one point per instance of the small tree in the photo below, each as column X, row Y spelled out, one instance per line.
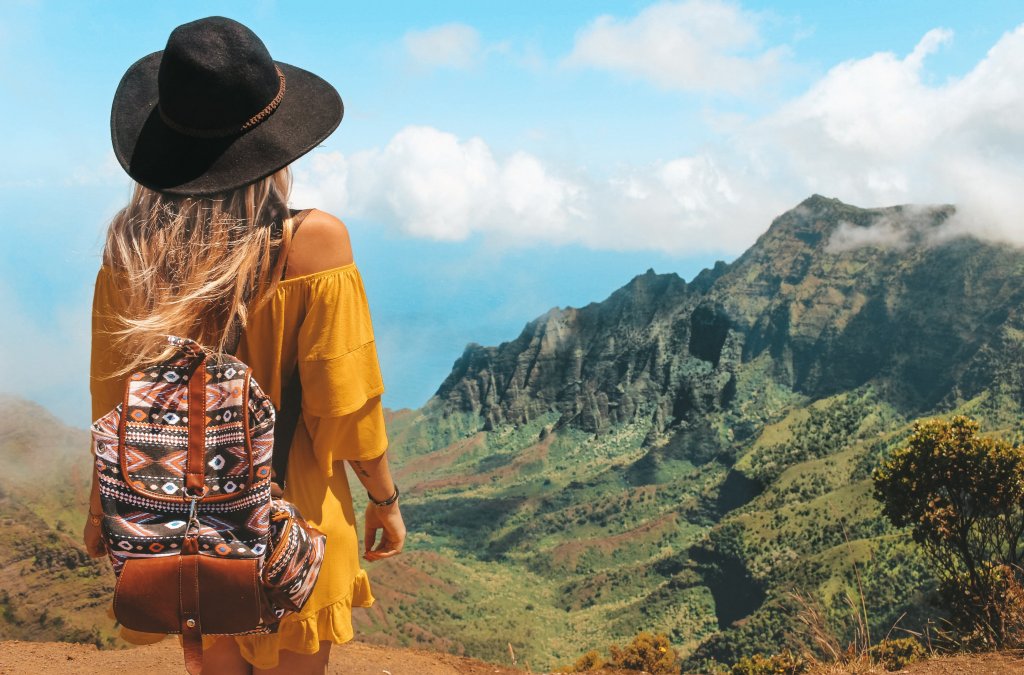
column 963, row 497
column 647, row 652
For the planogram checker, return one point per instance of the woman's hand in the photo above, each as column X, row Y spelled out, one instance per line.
column 375, row 476
column 387, row 519
column 92, row 536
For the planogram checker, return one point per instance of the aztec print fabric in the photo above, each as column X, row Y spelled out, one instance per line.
column 291, row 568
column 141, row 450
column 145, row 510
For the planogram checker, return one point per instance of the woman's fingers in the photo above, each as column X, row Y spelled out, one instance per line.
column 380, row 555
column 92, row 537
column 369, row 538
column 385, row 549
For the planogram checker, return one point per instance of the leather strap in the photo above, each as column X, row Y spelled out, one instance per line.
column 191, row 627
column 291, row 396
column 297, row 218
column 195, row 462
column 285, row 424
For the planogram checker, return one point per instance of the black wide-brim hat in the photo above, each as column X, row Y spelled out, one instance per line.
column 212, row 111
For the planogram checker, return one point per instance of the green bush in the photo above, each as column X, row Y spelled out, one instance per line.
column 592, row 660
column 785, row 663
column 896, row 654
column 647, row 652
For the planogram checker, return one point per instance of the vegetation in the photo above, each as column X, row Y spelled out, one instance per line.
column 647, row 652
column 896, row 654
column 776, row 664
column 962, row 495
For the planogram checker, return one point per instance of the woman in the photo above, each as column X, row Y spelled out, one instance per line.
column 208, row 249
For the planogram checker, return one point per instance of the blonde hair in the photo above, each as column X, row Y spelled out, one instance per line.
column 195, row 266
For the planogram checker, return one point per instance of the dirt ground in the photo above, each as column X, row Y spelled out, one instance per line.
column 356, row 658
column 165, row 658
column 996, row 663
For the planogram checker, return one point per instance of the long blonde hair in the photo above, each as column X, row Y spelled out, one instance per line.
column 195, row 266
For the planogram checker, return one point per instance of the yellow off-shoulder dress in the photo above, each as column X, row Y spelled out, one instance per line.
column 321, row 322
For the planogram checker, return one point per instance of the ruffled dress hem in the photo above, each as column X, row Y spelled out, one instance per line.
column 304, row 633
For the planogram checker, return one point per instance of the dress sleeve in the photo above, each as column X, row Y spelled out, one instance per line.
column 339, row 370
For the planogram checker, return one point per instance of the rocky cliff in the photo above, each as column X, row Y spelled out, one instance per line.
column 831, row 312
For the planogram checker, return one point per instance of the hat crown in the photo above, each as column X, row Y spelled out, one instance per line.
column 215, row 74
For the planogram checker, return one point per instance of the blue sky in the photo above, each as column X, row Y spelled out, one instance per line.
column 500, row 159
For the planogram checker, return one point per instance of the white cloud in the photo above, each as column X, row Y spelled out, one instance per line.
column 872, row 132
column 453, row 45
column 104, row 173
column 696, row 45
column 913, row 225
column 429, row 183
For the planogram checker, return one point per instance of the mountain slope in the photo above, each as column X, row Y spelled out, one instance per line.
column 679, row 455
column 44, row 490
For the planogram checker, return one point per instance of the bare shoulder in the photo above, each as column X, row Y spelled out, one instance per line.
column 321, row 243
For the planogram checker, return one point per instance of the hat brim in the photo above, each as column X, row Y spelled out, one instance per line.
column 165, row 160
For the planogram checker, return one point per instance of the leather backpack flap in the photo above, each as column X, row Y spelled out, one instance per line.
column 150, row 593
column 147, row 595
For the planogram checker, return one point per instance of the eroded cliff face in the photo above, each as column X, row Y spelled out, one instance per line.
column 596, row 366
column 824, row 312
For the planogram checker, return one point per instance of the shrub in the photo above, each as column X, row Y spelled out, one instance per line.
column 592, row 660
column 647, row 652
column 896, row 654
column 785, row 663
column 1003, row 606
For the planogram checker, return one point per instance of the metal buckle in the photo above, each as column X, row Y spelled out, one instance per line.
column 193, row 517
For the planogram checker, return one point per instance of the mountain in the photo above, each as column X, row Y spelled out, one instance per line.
column 682, row 455
column 49, row 587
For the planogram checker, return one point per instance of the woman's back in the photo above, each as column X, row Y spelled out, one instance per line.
column 320, row 249
column 316, row 323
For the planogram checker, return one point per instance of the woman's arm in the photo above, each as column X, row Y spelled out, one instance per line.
column 375, row 476
column 322, row 243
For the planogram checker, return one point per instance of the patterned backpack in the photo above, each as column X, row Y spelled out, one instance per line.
column 196, row 541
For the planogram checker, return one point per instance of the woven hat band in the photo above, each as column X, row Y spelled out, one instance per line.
column 229, row 131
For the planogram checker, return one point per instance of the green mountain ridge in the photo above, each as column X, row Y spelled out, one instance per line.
column 681, row 455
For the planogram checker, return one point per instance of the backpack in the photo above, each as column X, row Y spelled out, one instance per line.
column 197, row 543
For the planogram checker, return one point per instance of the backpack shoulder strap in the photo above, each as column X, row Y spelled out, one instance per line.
column 285, row 424
column 291, row 395
column 297, row 218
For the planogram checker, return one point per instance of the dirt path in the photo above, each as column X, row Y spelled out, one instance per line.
column 354, row 658
column 995, row 663
column 357, row 658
